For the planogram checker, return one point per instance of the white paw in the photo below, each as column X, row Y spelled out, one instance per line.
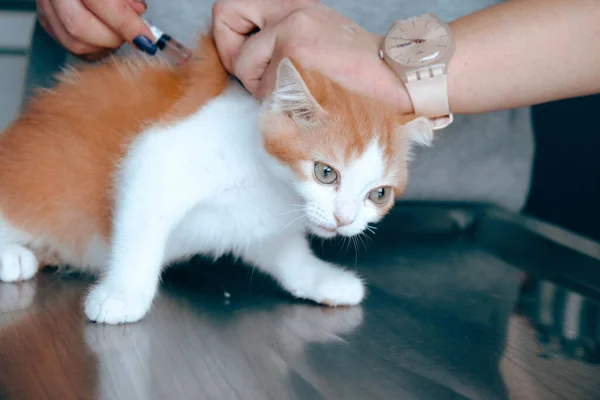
column 108, row 305
column 17, row 263
column 331, row 286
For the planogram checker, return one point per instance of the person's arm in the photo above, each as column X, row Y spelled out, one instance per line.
column 525, row 52
column 518, row 53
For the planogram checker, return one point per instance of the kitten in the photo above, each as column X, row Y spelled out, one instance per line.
column 131, row 165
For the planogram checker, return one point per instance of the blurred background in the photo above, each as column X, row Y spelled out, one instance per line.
column 16, row 24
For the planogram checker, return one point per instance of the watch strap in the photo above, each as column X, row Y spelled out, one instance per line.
column 428, row 90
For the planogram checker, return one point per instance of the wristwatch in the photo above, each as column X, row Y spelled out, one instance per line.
column 418, row 50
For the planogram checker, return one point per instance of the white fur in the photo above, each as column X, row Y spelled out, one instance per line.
column 419, row 131
column 207, row 185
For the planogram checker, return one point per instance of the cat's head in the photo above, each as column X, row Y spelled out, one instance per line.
column 347, row 154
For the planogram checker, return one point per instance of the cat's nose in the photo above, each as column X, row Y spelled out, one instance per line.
column 345, row 212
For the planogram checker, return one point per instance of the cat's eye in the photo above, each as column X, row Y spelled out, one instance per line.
column 380, row 196
column 325, row 174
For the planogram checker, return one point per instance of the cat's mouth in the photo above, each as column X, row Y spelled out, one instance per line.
column 324, row 231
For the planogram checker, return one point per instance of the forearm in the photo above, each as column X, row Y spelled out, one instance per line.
column 525, row 52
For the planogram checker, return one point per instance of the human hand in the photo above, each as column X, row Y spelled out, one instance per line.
column 92, row 29
column 311, row 33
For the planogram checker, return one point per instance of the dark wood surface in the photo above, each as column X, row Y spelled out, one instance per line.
column 444, row 319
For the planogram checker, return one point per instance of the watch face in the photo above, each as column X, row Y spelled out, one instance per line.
column 417, row 42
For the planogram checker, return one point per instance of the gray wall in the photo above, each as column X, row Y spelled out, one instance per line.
column 15, row 36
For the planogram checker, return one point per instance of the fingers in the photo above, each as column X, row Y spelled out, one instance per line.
column 83, row 26
column 253, row 59
column 233, row 20
column 123, row 20
column 257, row 61
column 53, row 25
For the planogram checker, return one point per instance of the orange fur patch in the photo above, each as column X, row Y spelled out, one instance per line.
column 58, row 159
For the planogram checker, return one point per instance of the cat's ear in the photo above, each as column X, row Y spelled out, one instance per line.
column 292, row 97
column 418, row 131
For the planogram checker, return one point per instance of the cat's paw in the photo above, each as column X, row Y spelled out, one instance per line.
column 17, row 263
column 108, row 305
column 331, row 286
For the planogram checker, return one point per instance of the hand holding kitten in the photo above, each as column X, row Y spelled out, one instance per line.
column 316, row 36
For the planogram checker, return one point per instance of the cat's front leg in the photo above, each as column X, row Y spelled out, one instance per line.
column 152, row 198
column 291, row 261
column 127, row 288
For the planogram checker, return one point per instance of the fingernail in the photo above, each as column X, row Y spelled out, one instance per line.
column 145, row 44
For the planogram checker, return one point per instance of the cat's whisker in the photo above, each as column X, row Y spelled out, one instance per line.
column 355, row 252
column 344, row 238
column 290, row 223
column 296, row 208
column 370, row 229
column 348, row 246
column 360, row 237
column 359, row 241
column 251, row 277
column 289, row 212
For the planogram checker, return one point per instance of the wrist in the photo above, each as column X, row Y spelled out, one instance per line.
column 391, row 87
column 405, row 102
column 388, row 85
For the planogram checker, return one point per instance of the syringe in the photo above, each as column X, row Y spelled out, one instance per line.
column 174, row 50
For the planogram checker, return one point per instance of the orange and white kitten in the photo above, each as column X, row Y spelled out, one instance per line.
column 130, row 165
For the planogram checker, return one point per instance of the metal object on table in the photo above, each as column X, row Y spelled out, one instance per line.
column 465, row 301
